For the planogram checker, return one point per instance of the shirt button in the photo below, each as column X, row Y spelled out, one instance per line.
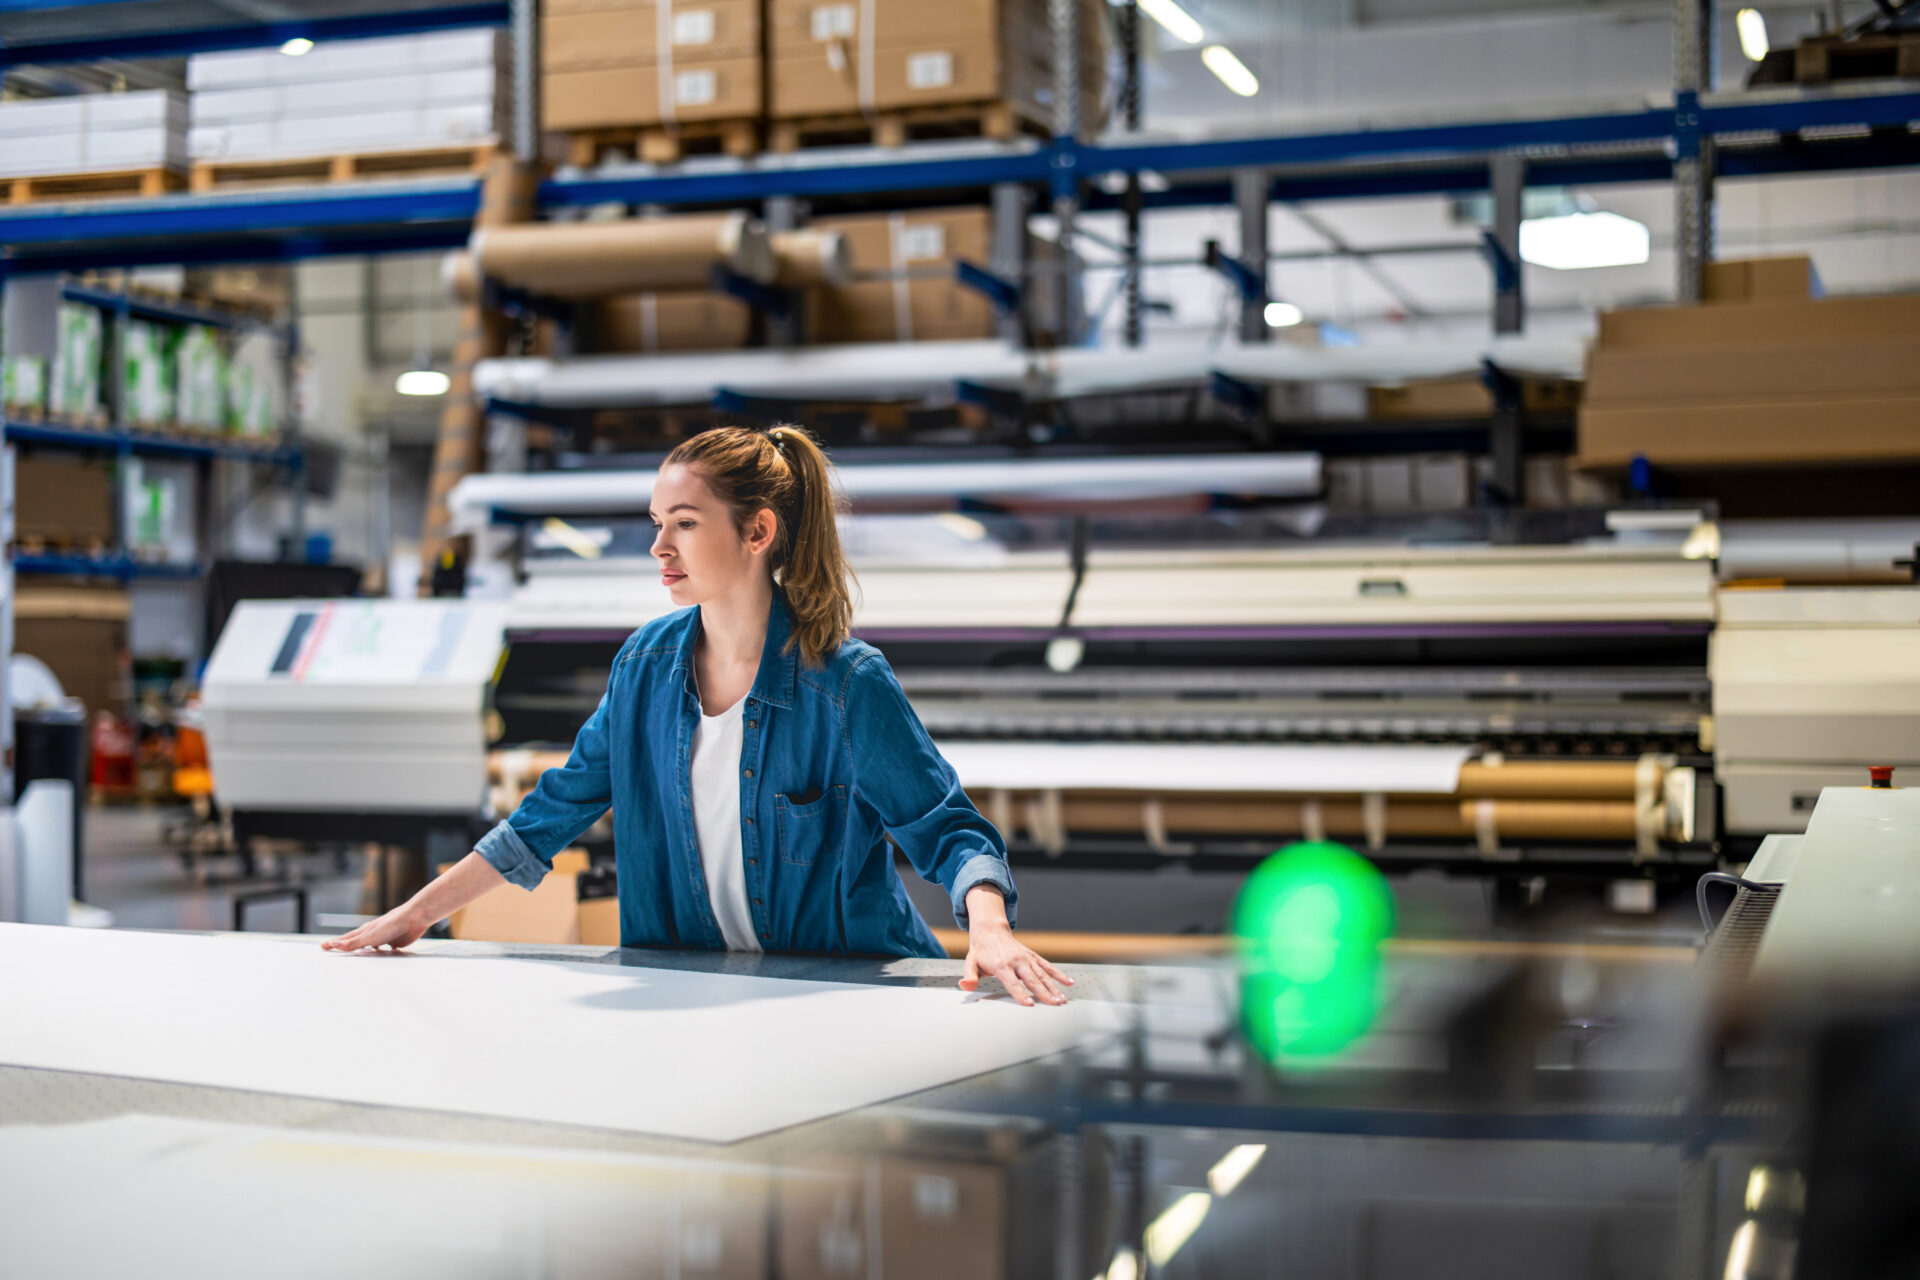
column 753, row 724
column 748, row 772
column 753, row 862
column 756, row 902
column 749, row 821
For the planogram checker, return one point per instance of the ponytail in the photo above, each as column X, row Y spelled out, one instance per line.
column 785, row 471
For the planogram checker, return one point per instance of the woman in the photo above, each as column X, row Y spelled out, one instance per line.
column 755, row 757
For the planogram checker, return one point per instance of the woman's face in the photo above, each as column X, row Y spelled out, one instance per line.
column 701, row 554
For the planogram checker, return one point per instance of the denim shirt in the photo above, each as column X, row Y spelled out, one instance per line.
column 834, row 761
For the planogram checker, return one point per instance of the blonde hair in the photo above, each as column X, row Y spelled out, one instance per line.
column 784, row 470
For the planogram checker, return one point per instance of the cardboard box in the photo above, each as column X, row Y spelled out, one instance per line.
column 63, row 497
column 1820, row 428
column 600, row 922
column 23, row 384
column 650, row 322
column 1465, row 398
column 699, row 32
column 965, row 52
column 80, row 632
column 1882, row 366
column 934, row 307
column 550, row 913
column 1828, row 320
column 1790, row 279
column 725, row 89
column 74, row 389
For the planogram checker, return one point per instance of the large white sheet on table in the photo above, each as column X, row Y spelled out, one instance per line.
column 1282, row 768
column 708, row 1057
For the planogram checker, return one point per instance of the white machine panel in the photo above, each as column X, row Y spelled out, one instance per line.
column 1394, row 586
column 352, row 705
column 1846, row 917
column 1811, row 685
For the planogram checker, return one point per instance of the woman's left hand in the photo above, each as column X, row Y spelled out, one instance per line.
column 993, row 951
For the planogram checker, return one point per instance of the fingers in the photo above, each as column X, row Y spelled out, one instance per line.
column 1010, row 979
column 1051, row 970
column 1035, row 979
column 970, row 974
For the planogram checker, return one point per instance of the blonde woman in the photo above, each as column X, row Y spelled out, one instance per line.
column 756, row 758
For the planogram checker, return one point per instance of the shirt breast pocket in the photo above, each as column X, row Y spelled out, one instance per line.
column 808, row 824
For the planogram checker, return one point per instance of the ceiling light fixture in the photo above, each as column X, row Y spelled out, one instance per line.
column 297, row 46
column 1283, row 315
column 1752, row 26
column 1178, row 23
column 1233, row 73
column 422, row 382
column 1579, row 241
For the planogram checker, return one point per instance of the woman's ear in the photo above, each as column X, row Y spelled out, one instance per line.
column 761, row 530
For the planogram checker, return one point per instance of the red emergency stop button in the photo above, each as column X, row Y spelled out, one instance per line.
column 1881, row 774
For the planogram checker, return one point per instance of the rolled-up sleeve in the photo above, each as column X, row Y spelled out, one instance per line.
column 562, row 805
column 899, row 771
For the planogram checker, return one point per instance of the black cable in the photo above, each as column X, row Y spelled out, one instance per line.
column 1723, row 877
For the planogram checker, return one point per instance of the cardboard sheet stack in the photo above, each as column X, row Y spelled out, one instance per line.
column 390, row 94
column 93, row 133
column 1765, row 372
column 611, row 64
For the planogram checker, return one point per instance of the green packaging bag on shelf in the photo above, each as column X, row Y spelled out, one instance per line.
column 249, row 401
column 23, row 384
column 201, row 368
column 75, row 388
column 146, row 391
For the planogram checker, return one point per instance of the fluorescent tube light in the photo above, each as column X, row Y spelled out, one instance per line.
column 1234, row 1167
column 297, row 46
column 1282, row 315
column 1752, row 26
column 422, row 382
column 1179, row 24
column 1175, row 1226
column 1578, row 241
column 1233, row 73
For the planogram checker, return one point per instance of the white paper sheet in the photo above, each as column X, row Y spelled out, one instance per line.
column 707, row 1057
column 1282, row 768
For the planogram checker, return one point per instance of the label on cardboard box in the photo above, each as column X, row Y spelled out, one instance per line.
column 695, row 88
column 834, row 22
column 929, row 70
column 694, row 26
column 923, row 243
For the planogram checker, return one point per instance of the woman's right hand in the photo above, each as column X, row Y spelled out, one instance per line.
column 400, row 927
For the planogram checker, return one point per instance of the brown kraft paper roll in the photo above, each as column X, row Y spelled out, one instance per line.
column 600, row 259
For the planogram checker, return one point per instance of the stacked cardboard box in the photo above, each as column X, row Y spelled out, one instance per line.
column 64, row 499
column 80, row 632
column 921, row 301
column 678, row 321
column 1764, row 382
column 146, row 386
column 394, row 93
column 200, row 370
column 93, row 133
column 613, row 63
column 824, row 63
column 1457, row 398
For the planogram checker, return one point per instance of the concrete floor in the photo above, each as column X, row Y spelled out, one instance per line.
column 133, row 872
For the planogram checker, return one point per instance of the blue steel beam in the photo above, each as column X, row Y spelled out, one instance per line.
column 252, row 35
column 358, row 206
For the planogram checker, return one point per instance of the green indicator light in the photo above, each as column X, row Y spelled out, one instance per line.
column 1309, row 923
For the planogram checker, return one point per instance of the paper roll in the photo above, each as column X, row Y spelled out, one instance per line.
column 461, row 276
column 599, row 259
column 810, row 257
column 1347, row 818
column 1549, row 779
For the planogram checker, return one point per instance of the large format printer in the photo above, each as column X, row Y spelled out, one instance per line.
column 1121, row 672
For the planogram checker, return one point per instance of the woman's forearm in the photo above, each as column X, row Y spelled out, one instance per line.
column 459, row 885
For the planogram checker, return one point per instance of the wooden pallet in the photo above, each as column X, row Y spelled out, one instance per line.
column 214, row 175
column 51, row 188
column 1820, row 59
column 657, row 144
column 40, row 544
column 999, row 121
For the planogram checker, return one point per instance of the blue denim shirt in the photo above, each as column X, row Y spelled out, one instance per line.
column 834, row 761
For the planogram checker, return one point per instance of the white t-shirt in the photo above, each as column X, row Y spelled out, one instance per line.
column 716, row 824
